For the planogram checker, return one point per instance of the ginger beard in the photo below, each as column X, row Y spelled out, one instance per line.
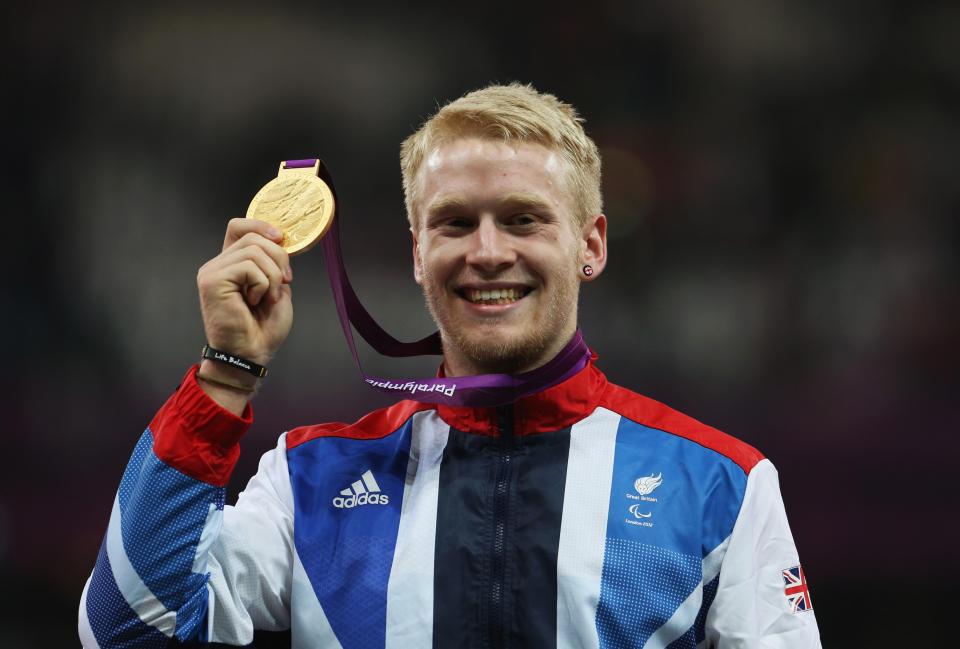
column 492, row 347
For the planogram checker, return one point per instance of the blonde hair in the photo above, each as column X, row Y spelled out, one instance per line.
column 514, row 112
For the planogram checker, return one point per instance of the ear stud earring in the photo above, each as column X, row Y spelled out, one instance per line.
column 588, row 270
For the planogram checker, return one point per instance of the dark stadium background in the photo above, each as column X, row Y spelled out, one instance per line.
column 781, row 185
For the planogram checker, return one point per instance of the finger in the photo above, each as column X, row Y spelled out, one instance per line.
column 285, row 293
column 276, row 252
column 237, row 228
column 251, row 278
column 226, row 267
column 263, row 261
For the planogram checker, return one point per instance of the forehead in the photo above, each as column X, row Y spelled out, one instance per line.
column 477, row 170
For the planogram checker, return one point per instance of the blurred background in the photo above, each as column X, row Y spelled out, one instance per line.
column 780, row 185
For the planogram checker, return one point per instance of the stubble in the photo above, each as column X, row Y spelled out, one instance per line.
column 507, row 354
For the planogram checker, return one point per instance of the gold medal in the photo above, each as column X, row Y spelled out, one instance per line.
column 298, row 203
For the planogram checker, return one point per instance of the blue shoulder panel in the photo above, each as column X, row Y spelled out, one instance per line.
column 672, row 501
column 347, row 495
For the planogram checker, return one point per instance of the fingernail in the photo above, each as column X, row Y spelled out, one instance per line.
column 288, row 273
column 273, row 233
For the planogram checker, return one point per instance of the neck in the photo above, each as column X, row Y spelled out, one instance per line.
column 456, row 362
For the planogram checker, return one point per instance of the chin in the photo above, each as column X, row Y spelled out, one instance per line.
column 501, row 351
column 510, row 344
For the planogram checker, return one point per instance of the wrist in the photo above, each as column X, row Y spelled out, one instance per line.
column 224, row 375
column 231, row 388
column 230, row 360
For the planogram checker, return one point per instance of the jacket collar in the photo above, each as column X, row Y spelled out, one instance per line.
column 551, row 409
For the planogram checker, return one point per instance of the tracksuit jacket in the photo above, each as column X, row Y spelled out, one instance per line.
column 582, row 516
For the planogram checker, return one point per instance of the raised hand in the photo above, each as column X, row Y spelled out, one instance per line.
column 246, row 303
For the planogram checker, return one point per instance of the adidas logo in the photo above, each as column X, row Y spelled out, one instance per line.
column 364, row 491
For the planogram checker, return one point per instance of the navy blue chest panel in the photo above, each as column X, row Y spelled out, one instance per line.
column 498, row 529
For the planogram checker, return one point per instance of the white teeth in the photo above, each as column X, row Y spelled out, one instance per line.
column 496, row 296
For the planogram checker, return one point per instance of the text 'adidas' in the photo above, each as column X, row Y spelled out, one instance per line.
column 364, row 491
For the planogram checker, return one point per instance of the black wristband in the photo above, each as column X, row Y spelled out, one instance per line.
column 248, row 366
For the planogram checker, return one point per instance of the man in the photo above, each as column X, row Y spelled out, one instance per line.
column 583, row 515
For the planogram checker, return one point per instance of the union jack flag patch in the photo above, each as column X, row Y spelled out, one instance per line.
column 796, row 589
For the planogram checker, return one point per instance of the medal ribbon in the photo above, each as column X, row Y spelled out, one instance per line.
column 483, row 390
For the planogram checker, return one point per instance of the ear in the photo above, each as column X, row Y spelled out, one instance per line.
column 593, row 246
column 417, row 261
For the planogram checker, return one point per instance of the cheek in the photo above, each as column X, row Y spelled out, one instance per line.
column 443, row 254
column 561, row 258
column 434, row 267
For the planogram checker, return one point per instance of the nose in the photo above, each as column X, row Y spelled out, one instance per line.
column 491, row 249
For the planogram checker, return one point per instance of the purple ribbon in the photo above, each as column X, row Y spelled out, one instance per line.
column 483, row 390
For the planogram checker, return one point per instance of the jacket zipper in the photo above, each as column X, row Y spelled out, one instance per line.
column 501, row 498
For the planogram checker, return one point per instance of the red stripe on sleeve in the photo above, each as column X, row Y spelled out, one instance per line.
column 197, row 436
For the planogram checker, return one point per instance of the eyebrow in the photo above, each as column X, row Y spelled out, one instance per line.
column 516, row 199
column 446, row 204
column 531, row 201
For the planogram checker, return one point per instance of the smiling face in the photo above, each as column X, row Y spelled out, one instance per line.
column 498, row 254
